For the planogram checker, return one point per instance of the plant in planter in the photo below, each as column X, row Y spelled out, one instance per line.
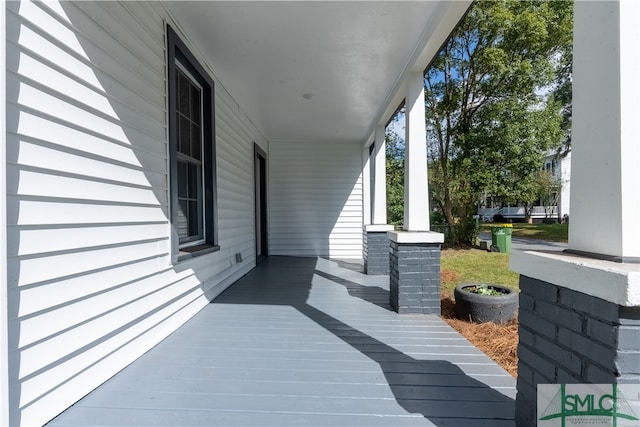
column 485, row 302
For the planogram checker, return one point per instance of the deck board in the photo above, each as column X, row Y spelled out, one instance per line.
column 304, row 341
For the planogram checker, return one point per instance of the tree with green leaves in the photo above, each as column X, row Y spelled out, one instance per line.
column 490, row 114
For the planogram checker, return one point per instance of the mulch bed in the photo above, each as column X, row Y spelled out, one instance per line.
column 499, row 342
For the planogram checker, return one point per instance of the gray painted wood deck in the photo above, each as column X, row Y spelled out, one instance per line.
column 305, row 342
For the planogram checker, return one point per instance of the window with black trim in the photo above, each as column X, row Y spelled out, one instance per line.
column 192, row 152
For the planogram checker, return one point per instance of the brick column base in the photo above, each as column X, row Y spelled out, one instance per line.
column 568, row 337
column 414, row 276
column 375, row 249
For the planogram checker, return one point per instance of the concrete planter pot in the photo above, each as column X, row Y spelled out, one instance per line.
column 480, row 308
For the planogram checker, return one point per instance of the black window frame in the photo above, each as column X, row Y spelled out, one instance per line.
column 177, row 52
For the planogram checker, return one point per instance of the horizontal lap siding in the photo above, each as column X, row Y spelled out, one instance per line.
column 315, row 199
column 91, row 284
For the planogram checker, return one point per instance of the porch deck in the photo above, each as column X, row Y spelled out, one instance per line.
column 305, row 341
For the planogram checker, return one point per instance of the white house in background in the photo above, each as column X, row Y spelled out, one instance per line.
column 560, row 168
column 155, row 151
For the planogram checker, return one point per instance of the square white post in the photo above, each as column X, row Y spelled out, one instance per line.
column 605, row 163
column 379, row 214
column 416, row 191
column 366, row 186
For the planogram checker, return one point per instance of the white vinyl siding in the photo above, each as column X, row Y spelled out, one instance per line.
column 315, row 199
column 91, row 282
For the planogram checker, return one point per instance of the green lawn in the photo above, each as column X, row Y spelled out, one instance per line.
column 475, row 265
column 551, row 232
column 479, row 266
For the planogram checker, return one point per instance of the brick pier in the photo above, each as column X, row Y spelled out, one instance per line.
column 579, row 323
column 375, row 249
column 414, row 276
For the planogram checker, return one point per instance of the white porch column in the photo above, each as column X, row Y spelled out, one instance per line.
column 366, row 186
column 605, row 163
column 416, row 192
column 379, row 213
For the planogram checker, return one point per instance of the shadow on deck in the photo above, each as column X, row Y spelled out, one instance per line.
column 304, row 341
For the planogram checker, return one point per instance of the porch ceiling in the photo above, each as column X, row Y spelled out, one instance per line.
column 317, row 70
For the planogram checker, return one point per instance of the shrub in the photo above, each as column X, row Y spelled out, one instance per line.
column 437, row 218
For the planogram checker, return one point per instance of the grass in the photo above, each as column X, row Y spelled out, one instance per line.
column 475, row 265
column 499, row 342
column 551, row 232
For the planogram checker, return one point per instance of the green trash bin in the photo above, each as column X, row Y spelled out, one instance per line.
column 501, row 237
